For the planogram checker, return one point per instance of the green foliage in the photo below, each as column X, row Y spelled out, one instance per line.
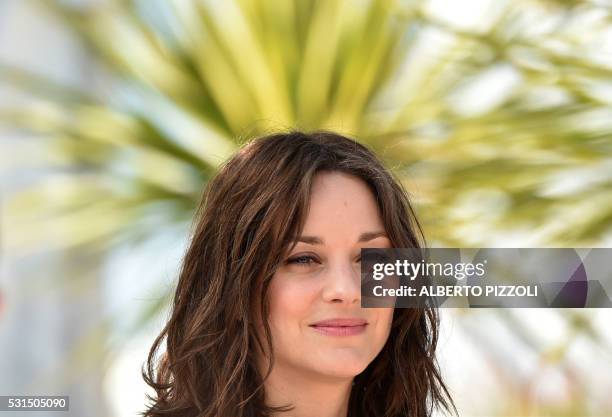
column 185, row 83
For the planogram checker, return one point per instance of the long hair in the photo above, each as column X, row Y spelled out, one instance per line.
column 249, row 214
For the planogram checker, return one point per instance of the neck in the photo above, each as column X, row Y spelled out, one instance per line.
column 311, row 395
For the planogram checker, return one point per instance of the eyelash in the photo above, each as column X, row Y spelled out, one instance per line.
column 295, row 260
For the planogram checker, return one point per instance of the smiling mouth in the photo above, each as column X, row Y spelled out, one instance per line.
column 340, row 327
column 340, row 330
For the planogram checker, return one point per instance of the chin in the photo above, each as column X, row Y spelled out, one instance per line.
column 344, row 373
column 339, row 369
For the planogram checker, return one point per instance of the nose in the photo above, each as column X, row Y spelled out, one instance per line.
column 343, row 283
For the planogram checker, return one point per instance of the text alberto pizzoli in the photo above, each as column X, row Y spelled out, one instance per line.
column 459, row 271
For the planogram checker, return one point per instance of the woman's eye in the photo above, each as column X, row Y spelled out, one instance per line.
column 301, row 260
column 378, row 257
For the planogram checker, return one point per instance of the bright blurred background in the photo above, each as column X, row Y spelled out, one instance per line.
column 114, row 114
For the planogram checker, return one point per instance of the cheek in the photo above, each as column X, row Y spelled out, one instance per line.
column 291, row 302
column 385, row 320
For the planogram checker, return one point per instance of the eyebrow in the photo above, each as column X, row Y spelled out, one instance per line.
column 364, row 237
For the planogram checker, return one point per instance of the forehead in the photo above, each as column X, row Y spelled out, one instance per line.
column 341, row 201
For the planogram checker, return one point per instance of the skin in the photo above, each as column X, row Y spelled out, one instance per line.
column 321, row 280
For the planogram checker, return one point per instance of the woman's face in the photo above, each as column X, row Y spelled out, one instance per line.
column 320, row 281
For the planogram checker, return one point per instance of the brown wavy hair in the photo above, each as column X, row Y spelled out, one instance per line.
column 249, row 214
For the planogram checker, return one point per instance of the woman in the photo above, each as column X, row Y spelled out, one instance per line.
column 266, row 319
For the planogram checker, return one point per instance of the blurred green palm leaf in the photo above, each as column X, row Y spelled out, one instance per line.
column 189, row 80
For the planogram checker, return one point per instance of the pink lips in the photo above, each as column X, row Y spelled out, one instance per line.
column 340, row 326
